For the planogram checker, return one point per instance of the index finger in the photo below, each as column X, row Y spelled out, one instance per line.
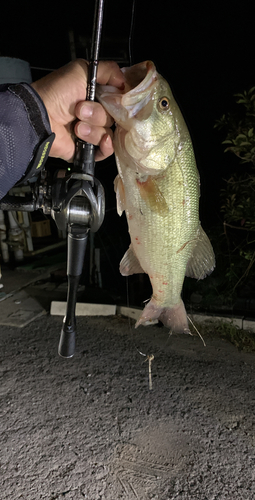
column 109, row 73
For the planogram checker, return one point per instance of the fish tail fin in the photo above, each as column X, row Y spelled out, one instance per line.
column 174, row 317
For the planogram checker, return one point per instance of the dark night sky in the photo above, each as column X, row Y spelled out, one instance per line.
column 203, row 49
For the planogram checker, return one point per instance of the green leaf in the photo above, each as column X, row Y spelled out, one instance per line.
column 240, row 136
column 250, row 132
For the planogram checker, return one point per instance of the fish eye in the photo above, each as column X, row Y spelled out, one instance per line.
column 163, row 103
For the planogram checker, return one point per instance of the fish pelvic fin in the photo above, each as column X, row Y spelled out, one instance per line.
column 202, row 261
column 151, row 194
column 130, row 264
column 174, row 317
column 120, row 194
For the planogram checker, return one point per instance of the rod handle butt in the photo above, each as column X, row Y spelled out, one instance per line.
column 66, row 347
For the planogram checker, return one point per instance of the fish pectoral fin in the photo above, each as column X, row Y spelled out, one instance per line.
column 202, row 261
column 120, row 194
column 130, row 264
column 152, row 195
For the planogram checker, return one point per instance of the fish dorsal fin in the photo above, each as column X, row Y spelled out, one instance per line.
column 151, row 194
column 130, row 264
column 120, row 194
column 202, row 261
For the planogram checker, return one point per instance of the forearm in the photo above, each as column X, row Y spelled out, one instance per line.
column 24, row 125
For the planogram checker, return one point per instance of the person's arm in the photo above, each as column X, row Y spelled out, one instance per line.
column 24, row 126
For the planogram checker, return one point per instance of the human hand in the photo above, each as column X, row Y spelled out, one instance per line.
column 64, row 92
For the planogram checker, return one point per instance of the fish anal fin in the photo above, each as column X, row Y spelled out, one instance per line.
column 120, row 194
column 130, row 264
column 202, row 261
column 152, row 195
column 174, row 317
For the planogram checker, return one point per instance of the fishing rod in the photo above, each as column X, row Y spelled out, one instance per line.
column 87, row 196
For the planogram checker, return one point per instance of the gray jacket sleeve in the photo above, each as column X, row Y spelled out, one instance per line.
column 24, row 126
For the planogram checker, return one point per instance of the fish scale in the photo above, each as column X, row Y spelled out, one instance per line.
column 158, row 188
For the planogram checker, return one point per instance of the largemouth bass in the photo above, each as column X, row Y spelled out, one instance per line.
column 158, row 188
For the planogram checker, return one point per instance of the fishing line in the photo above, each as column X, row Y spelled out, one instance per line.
column 195, row 328
column 131, row 34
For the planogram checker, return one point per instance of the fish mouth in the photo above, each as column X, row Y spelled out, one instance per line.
column 140, row 82
column 124, row 105
column 138, row 76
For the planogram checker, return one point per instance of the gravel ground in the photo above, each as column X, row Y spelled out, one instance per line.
column 89, row 427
